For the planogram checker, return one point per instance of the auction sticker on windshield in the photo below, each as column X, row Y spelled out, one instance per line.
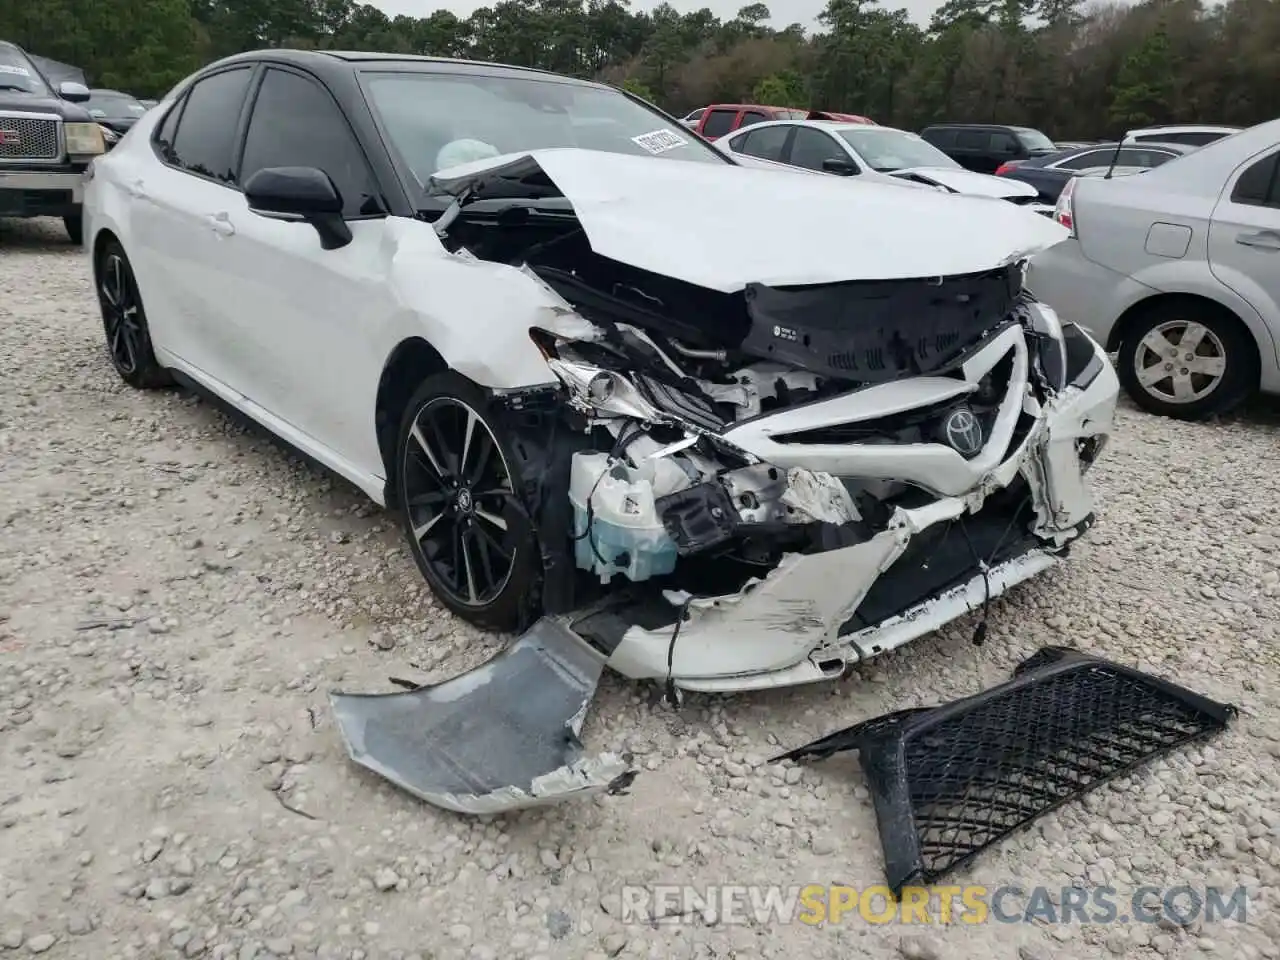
column 659, row 141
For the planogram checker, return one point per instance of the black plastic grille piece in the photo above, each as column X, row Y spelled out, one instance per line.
column 952, row 780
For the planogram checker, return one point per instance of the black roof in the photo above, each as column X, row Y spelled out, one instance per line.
column 319, row 60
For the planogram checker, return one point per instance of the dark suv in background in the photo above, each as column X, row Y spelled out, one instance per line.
column 983, row 147
column 46, row 142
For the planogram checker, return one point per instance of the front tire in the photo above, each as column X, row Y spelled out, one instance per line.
column 125, row 322
column 459, row 503
column 1188, row 359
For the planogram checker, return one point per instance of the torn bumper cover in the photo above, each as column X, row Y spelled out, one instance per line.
column 500, row 737
column 950, row 781
column 815, row 614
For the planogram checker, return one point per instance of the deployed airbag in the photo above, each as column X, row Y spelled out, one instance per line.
column 502, row 736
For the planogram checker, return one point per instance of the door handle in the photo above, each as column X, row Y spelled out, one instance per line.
column 1263, row 240
column 221, row 224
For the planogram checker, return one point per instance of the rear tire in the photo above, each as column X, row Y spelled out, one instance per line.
column 1187, row 358
column 124, row 322
column 458, row 486
column 74, row 222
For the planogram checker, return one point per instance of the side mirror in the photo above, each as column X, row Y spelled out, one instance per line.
column 300, row 193
column 73, row 92
column 837, row 165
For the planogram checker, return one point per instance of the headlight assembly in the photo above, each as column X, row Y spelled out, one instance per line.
column 83, row 139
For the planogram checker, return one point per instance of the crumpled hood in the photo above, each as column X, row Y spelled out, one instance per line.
column 722, row 226
column 974, row 184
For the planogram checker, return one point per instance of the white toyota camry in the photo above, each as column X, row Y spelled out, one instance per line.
column 730, row 427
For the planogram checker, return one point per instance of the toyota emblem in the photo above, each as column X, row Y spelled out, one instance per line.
column 963, row 432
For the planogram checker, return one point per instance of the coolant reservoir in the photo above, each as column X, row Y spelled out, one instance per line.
column 626, row 534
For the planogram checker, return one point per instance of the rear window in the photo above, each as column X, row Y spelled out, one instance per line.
column 1034, row 139
column 718, row 123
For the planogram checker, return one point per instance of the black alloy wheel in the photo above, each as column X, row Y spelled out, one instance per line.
column 457, row 497
column 125, row 322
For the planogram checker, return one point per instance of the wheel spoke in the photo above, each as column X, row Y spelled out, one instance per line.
column 1191, row 338
column 467, row 433
column 1183, row 389
column 493, row 543
column 422, row 529
column 486, row 560
column 426, row 499
column 494, row 519
column 1158, row 343
column 1208, row 366
column 466, row 563
column 485, row 446
column 421, row 440
column 1149, row 376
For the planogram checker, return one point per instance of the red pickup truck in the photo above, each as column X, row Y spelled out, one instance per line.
column 721, row 118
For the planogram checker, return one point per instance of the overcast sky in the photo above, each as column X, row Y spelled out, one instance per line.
column 784, row 11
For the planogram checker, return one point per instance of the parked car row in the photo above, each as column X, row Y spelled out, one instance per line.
column 853, row 150
column 1177, row 271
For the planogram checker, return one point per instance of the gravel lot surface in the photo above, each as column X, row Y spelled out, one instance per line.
column 174, row 786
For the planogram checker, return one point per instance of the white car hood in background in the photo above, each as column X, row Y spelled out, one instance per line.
column 722, row 226
column 974, row 184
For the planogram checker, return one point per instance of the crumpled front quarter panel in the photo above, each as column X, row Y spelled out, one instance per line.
column 477, row 314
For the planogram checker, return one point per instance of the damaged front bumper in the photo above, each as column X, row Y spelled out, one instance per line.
column 816, row 614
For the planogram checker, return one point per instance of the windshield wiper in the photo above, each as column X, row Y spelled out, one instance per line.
column 14, row 86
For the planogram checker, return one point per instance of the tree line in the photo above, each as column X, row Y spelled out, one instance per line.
column 1071, row 70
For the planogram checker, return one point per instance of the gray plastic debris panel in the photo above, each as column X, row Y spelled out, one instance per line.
column 502, row 736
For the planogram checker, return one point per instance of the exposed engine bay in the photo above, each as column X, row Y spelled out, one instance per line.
column 661, row 372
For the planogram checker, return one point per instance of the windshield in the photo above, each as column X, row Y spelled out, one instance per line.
column 884, row 149
column 113, row 106
column 1034, row 140
column 438, row 120
column 19, row 73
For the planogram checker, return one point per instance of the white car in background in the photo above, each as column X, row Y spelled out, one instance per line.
column 854, row 149
column 1192, row 135
column 1179, row 271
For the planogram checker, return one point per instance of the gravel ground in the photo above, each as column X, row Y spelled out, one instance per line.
column 157, row 764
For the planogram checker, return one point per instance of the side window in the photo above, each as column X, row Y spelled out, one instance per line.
column 811, row 147
column 940, row 137
column 972, row 140
column 295, row 123
column 1257, row 185
column 206, row 131
column 718, row 123
column 750, row 117
column 1094, row 158
column 1198, row 139
column 765, row 143
column 164, row 133
column 1130, row 157
column 1004, row 143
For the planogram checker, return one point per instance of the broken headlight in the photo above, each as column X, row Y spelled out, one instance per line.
column 1051, row 352
column 598, row 391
